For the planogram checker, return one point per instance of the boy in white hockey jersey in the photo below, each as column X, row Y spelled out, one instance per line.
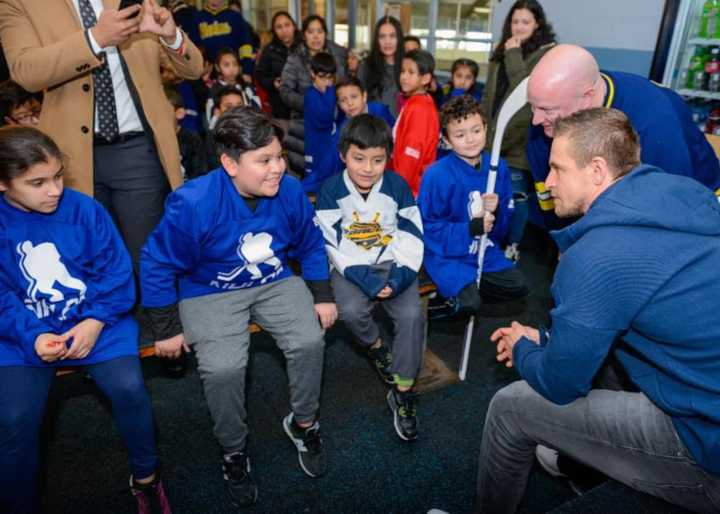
column 373, row 236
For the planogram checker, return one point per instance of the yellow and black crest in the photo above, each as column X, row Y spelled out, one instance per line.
column 367, row 235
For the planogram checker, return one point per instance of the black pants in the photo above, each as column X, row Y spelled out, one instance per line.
column 496, row 287
column 131, row 184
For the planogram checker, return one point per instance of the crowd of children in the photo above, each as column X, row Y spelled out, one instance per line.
column 221, row 255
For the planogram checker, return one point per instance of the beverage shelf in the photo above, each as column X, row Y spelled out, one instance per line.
column 703, row 41
column 699, row 94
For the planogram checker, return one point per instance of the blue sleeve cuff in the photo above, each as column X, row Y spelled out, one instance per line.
column 368, row 282
column 400, row 278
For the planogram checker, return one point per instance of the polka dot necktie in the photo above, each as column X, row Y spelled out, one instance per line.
column 102, row 81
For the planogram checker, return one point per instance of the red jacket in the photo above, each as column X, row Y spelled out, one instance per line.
column 416, row 134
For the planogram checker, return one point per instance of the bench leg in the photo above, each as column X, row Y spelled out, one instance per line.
column 434, row 373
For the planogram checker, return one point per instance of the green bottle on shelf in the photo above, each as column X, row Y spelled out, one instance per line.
column 716, row 33
column 696, row 68
column 708, row 12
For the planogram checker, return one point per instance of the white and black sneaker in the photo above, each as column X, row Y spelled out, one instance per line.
column 309, row 444
column 402, row 406
column 239, row 483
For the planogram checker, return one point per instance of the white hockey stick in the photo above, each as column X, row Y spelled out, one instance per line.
column 513, row 103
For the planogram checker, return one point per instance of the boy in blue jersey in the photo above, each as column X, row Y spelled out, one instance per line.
column 456, row 212
column 66, row 291
column 352, row 100
column 219, row 259
column 373, row 236
column 321, row 159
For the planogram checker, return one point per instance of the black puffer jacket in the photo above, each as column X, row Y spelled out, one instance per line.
column 269, row 67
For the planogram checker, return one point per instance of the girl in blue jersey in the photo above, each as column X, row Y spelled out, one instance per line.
column 66, row 289
column 219, row 259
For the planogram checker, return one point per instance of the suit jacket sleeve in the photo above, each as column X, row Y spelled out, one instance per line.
column 188, row 64
column 34, row 66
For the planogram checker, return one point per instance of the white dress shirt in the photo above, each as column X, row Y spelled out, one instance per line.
column 128, row 118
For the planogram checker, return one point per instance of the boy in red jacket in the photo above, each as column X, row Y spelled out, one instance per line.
column 417, row 129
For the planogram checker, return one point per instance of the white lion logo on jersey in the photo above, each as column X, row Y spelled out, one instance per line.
column 253, row 250
column 41, row 265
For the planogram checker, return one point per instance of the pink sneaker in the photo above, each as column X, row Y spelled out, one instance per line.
column 151, row 498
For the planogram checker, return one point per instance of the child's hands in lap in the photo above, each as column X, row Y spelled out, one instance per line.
column 84, row 336
column 50, row 347
column 327, row 314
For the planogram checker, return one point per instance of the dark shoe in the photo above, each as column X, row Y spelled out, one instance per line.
column 402, row 405
column 151, row 498
column 382, row 359
column 580, row 478
column 309, row 444
column 239, row 483
column 442, row 308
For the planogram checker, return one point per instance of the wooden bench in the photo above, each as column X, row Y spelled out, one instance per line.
column 433, row 375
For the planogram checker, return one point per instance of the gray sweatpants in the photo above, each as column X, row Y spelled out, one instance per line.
column 355, row 310
column 216, row 326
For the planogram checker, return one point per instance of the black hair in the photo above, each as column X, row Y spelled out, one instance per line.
column 323, row 63
column 226, row 91
column 297, row 37
column 424, row 60
column 412, row 38
column 314, row 17
column 12, row 96
column 375, row 62
column 174, row 97
column 22, row 147
column 366, row 131
column 221, row 53
column 349, row 81
column 543, row 35
column 459, row 108
column 243, row 129
column 469, row 63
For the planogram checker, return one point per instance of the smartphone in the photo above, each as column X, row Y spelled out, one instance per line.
column 129, row 3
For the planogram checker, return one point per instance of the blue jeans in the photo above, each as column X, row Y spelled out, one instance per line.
column 23, row 395
column 521, row 184
column 622, row 434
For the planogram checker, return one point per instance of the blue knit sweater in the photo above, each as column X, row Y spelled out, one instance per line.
column 640, row 269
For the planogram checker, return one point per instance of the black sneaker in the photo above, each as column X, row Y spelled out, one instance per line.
column 240, row 485
column 309, row 444
column 382, row 359
column 440, row 308
column 402, row 405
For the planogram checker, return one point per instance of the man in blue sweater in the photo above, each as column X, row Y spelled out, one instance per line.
column 637, row 282
column 567, row 79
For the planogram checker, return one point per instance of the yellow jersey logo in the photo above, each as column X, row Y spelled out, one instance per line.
column 367, row 235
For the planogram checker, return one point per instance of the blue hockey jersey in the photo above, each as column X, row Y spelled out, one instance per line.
column 445, row 200
column 668, row 137
column 57, row 270
column 321, row 138
column 212, row 31
column 209, row 241
column 360, row 232
column 375, row 108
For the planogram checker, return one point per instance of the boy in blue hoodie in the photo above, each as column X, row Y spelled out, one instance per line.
column 219, row 259
column 352, row 100
column 637, row 283
column 321, row 135
column 373, row 236
column 456, row 212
